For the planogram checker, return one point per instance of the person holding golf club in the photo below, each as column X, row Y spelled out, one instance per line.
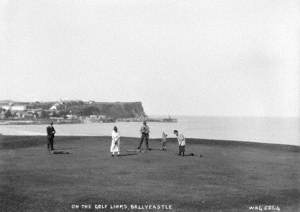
column 50, row 136
column 115, row 142
column 181, row 142
column 145, row 130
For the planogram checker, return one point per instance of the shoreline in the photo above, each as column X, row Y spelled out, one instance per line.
column 282, row 131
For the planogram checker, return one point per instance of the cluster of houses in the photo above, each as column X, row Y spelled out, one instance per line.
column 12, row 111
column 18, row 111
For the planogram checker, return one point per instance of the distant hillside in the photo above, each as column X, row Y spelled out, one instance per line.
column 81, row 108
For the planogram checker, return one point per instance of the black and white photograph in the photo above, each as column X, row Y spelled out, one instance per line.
column 149, row 105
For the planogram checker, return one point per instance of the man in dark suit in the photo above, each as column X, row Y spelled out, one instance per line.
column 145, row 130
column 50, row 136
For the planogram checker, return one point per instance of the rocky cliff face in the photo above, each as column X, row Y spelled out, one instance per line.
column 120, row 109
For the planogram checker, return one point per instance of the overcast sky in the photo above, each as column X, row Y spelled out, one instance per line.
column 192, row 57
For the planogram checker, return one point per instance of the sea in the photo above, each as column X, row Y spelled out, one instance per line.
column 254, row 129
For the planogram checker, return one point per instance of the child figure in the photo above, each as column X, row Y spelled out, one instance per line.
column 164, row 141
column 181, row 142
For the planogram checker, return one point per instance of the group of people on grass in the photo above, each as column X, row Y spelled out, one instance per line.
column 145, row 131
column 115, row 141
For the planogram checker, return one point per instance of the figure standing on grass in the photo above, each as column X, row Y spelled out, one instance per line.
column 181, row 142
column 145, row 130
column 115, row 142
column 50, row 136
column 164, row 141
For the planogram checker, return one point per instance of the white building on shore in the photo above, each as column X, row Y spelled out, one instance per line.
column 14, row 107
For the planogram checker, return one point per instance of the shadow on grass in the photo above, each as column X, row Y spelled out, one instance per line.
column 67, row 148
column 127, row 154
column 156, row 149
column 60, row 152
column 190, row 154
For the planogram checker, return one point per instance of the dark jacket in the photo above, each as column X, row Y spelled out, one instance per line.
column 50, row 131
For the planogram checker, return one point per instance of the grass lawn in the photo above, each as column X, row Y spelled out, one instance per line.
column 231, row 176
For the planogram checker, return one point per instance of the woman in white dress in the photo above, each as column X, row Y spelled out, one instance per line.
column 115, row 142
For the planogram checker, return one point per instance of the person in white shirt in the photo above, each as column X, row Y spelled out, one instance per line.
column 164, row 141
column 115, row 142
column 181, row 142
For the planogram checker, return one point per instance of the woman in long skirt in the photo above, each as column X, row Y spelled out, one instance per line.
column 115, row 142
